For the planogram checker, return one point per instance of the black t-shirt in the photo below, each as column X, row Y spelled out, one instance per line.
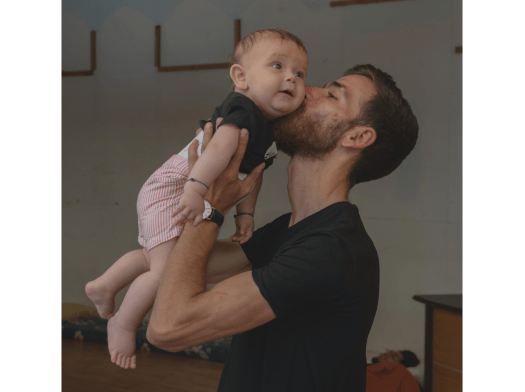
column 240, row 110
column 321, row 278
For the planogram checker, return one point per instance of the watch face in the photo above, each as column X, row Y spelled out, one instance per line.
column 207, row 209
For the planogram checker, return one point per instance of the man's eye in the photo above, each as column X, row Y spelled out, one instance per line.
column 277, row 66
column 332, row 95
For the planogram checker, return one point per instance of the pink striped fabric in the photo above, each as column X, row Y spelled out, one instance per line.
column 158, row 199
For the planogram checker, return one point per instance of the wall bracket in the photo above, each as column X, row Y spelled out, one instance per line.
column 194, row 67
column 90, row 72
column 355, row 2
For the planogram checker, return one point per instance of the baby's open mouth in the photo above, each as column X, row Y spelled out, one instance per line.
column 287, row 92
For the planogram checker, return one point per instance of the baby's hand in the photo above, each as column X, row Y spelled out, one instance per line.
column 190, row 208
column 244, row 228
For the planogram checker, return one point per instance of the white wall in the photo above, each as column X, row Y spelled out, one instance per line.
column 122, row 123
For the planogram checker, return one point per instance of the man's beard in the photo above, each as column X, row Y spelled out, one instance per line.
column 306, row 134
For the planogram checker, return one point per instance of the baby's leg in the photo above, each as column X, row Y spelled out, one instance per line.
column 138, row 301
column 125, row 270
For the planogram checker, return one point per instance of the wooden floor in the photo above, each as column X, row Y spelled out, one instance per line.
column 86, row 367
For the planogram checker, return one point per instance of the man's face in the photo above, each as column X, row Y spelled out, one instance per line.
column 324, row 116
column 390, row 356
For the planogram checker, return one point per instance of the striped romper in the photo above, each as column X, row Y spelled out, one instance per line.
column 159, row 197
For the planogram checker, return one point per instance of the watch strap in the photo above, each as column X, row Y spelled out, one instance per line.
column 216, row 217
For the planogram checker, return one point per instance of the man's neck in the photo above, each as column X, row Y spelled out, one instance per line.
column 314, row 185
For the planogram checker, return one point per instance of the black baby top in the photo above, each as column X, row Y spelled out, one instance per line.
column 240, row 110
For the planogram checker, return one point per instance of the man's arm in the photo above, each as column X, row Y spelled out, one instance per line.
column 185, row 313
column 226, row 260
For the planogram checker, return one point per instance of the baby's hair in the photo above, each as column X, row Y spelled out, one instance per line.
column 250, row 40
column 247, row 42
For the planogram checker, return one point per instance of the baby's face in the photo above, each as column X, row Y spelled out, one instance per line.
column 275, row 72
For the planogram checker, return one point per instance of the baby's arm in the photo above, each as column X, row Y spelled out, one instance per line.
column 213, row 161
column 244, row 224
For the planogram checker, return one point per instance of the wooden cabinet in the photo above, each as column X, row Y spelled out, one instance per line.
column 443, row 342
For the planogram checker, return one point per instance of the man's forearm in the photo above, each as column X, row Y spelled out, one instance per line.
column 184, row 313
column 183, row 279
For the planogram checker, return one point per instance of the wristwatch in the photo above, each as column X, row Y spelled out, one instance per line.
column 212, row 214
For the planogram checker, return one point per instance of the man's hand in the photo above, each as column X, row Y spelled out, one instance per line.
column 227, row 189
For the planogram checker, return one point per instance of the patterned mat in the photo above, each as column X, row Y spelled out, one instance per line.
column 95, row 330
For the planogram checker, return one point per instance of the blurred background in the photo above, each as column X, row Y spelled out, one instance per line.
column 123, row 122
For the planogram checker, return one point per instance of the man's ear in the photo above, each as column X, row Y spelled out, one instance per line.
column 359, row 137
column 238, row 75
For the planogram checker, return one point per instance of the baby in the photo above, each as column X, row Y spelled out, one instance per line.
column 268, row 73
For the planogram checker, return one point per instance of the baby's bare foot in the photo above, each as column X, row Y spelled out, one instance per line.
column 102, row 298
column 121, row 345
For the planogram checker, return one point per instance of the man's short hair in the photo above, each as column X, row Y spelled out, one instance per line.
column 409, row 359
column 390, row 115
column 250, row 40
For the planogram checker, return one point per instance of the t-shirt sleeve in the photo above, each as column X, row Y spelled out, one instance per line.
column 240, row 111
column 252, row 248
column 307, row 273
column 256, row 247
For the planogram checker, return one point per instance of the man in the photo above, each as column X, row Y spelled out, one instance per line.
column 301, row 295
column 405, row 357
column 388, row 372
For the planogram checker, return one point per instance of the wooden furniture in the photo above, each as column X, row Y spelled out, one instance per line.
column 443, row 342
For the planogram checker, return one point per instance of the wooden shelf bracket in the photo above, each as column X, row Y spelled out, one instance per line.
column 194, row 67
column 90, row 72
column 355, row 2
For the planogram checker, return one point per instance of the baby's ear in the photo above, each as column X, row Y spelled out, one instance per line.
column 238, row 75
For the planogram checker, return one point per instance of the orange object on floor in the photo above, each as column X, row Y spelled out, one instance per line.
column 390, row 377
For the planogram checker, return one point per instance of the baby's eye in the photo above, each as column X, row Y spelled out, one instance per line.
column 277, row 66
column 299, row 74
